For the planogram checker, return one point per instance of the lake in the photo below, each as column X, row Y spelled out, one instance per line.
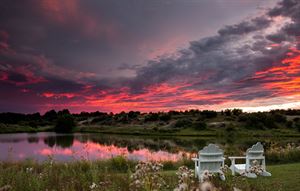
column 78, row 146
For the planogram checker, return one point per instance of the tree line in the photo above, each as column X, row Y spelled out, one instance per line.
column 180, row 119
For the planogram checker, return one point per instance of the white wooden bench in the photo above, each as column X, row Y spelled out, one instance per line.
column 210, row 159
column 255, row 153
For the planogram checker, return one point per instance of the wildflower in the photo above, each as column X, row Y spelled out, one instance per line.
column 207, row 186
column 40, row 175
column 236, row 189
column 185, row 178
column 256, row 168
column 29, row 169
column 93, row 186
column 147, row 176
column 6, row 188
column 206, row 175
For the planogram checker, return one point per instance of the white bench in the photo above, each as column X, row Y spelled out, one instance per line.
column 210, row 159
column 255, row 153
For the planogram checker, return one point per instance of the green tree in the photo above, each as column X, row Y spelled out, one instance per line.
column 237, row 112
column 50, row 115
column 227, row 112
column 65, row 124
column 209, row 114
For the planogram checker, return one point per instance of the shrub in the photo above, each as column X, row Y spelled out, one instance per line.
column 151, row 117
column 279, row 118
column 101, row 118
column 165, row 117
column 65, row 124
column 297, row 125
column 289, row 124
column 237, row 112
column 230, row 128
column 209, row 114
column 50, row 115
column 182, row 123
column 227, row 112
column 199, row 125
column 133, row 114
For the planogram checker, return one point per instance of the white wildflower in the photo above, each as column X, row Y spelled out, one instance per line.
column 93, row 186
column 206, row 186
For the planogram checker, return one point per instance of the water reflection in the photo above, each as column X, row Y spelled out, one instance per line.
column 64, row 147
column 63, row 141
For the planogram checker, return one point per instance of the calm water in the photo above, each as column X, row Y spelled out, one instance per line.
column 64, row 147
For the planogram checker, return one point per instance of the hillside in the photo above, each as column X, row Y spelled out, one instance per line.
column 190, row 122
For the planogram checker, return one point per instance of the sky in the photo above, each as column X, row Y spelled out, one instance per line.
column 149, row 55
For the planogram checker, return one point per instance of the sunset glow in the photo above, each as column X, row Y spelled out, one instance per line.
column 77, row 55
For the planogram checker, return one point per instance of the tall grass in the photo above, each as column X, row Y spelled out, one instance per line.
column 115, row 175
column 279, row 154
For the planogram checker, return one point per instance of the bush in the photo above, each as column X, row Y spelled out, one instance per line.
column 230, row 128
column 199, row 125
column 279, row 118
column 65, row 124
column 289, row 124
column 258, row 120
column 182, row 123
column 151, row 117
column 209, row 114
column 165, row 117
column 297, row 125
column 237, row 112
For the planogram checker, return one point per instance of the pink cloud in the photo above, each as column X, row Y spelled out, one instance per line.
column 68, row 13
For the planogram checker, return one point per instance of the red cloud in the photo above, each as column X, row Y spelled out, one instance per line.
column 284, row 78
column 60, row 11
column 58, row 95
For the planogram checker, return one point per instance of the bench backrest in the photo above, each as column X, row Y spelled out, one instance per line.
column 211, row 158
column 256, row 152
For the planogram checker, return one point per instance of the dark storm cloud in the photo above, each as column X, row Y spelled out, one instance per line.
column 16, row 77
column 221, row 62
column 246, row 27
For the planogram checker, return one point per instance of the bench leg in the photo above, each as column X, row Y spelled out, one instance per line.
column 232, row 167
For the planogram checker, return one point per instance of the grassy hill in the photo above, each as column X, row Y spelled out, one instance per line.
column 181, row 123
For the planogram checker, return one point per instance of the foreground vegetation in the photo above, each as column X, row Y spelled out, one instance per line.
column 116, row 174
column 180, row 123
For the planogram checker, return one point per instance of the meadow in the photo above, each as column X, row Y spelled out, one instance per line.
column 115, row 174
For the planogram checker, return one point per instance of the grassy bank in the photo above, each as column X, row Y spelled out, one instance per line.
column 151, row 131
column 111, row 175
column 213, row 131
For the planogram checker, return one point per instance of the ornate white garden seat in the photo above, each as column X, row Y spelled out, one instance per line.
column 255, row 154
column 210, row 159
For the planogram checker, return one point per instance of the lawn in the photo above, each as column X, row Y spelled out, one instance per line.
column 285, row 177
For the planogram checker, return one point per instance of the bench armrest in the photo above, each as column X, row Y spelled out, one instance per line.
column 258, row 158
column 237, row 157
column 195, row 159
